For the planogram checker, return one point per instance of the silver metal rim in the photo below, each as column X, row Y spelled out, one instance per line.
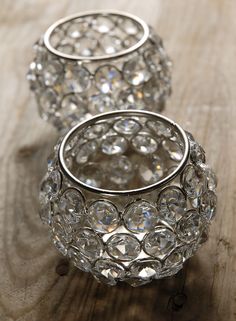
column 138, row 191
column 97, row 58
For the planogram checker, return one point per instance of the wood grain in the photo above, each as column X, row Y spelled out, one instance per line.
column 37, row 284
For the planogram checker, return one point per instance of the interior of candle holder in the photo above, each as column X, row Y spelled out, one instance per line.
column 96, row 35
column 124, row 152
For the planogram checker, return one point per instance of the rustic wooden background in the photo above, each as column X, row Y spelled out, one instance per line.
column 37, row 284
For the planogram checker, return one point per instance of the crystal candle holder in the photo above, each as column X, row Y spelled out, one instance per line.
column 128, row 197
column 98, row 62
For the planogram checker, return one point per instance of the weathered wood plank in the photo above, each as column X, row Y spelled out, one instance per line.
column 35, row 282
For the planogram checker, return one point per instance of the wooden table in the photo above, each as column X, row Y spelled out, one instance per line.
column 37, row 284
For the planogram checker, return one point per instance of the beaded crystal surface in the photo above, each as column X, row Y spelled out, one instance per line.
column 97, row 62
column 127, row 198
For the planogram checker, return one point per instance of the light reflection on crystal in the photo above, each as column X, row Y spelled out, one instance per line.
column 112, row 145
column 124, row 247
column 152, row 170
column 107, row 78
column 160, row 242
column 103, row 216
column 140, row 217
column 144, row 144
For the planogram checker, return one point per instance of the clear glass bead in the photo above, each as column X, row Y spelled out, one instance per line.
column 120, row 170
column 76, row 78
column 123, row 247
column 152, row 170
column 140, row 217
column 108, row 271
column 127, row 126
column 193, row 181
column 103, row 216
column 79, row 260
column 160, row 242
column 172, row 204
column 136, row 72
column 113, row 145
column 107, row 79
column 89, row 244
column 144, row 144
column 71, row 205
column 190, row 226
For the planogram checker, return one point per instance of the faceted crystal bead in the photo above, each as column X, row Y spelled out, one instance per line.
column 155, row 91
column 71, row 206
column 91, row 175
column 52, row 161
column 136, row 72
column 77, row 78
column 190, row 137
column 87, row 45
column 129, row 41
column 197, row 153
column 144, row 144
column 79, row 260
column 124, row 247
column 208, row 202
column 120, row 170
column 108, row 271
column 151, row 170
column 72, row 142
column 110, row 44
column 160, row 242
column 51, row 185
column 73, row 108
column 61, row 229
column 172, row 204
column 130, row 27
column 77, row 29
column 66, row 49
column 85, row 151
column 96, row 131
column 32, row 77
column 145, row 269
column 89, row 244
column 159, row 128
column 103, row 24
column 107, row 79
column 56, row 37
column 48, row 101
column 140, row 217
column 69, row 162
column 127, row 126
column 103, row 216
column 153, row 59
column 59, row 244
column 173, row 149
column 41, row 58
column 190, row 226
column 52, row 72
column 131, row 98
column 101, row 103
column 112, row 145
column 189, row 251
column 174, row 259
column 193, row 181
column 210, row 176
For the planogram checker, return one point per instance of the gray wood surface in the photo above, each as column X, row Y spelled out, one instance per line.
column 37, row 284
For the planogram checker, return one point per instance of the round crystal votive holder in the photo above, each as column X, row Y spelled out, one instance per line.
column 98, row 62
column 128, row 197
